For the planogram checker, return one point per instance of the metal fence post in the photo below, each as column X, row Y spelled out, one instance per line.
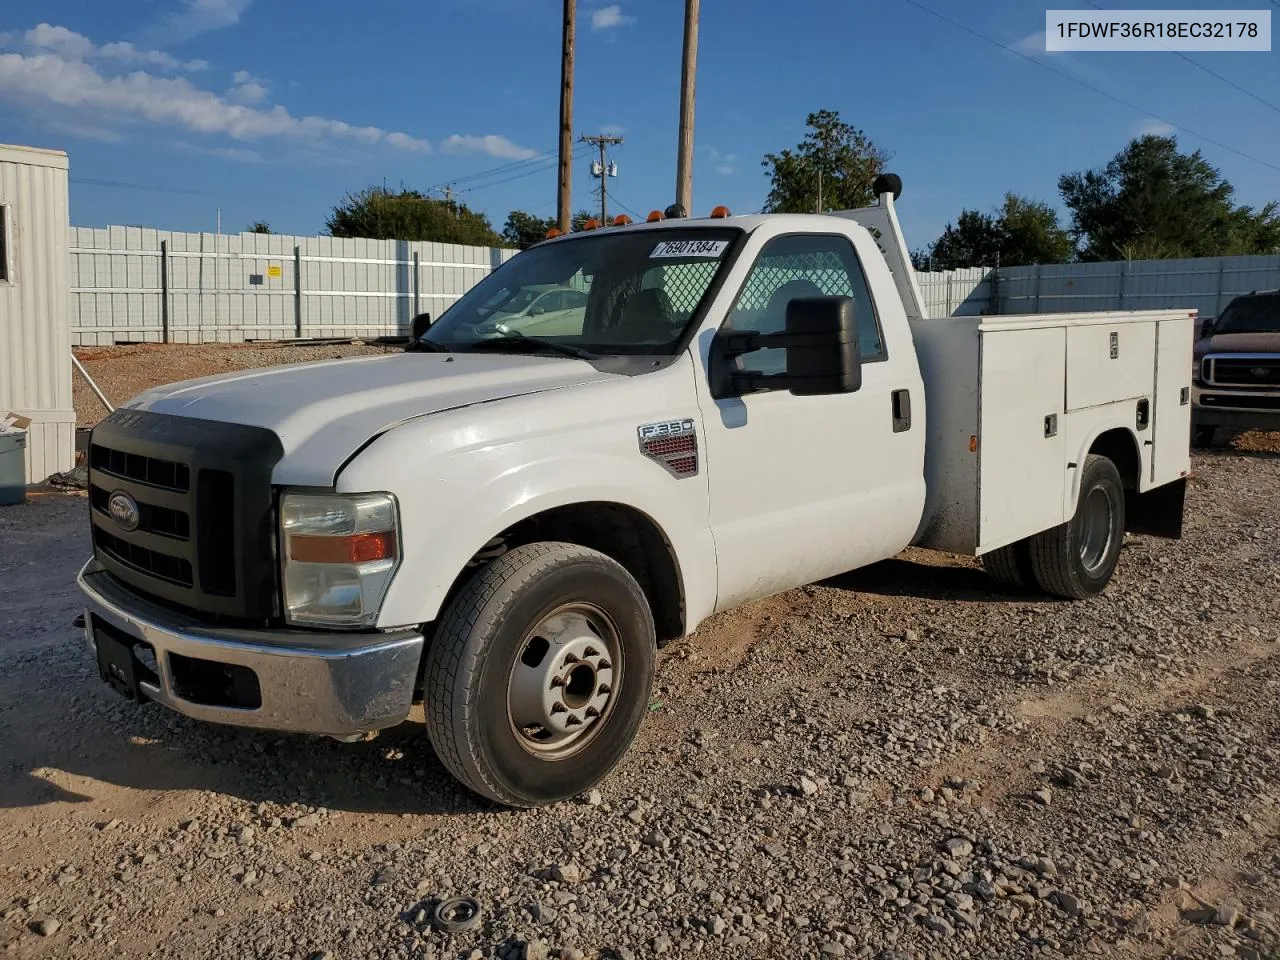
column 949, row 307
column 164, row 291
column 1124, row 276
column 1035, row 308
column 1217, row 297
column 297, row 291
column 417, row 285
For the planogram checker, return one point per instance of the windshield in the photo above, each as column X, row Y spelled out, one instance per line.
column 629, row 292
column 1258, row 314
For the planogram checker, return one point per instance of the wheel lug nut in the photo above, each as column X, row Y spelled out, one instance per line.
column 570, row 658
column 557, row 681
column 592, row 712
column 604, row 688
column 591, row 652
column 558, row 708
column 572, row 721
column 604, row 665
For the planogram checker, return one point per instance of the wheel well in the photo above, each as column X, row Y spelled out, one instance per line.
column 618, row 531
column 1119, row 446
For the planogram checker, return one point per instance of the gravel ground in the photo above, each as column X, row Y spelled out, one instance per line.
column 124, row 372
column 902, row 762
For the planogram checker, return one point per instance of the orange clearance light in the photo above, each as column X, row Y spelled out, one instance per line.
column 357, row 548
column 592, row 224
column 720, row 211
column 654, row 216
column 554, row 232
column 621, row 220
column 973, row 444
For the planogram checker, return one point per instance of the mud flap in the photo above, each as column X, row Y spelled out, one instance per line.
column 1158, row 512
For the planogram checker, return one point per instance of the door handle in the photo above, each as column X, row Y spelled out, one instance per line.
column 901, row 400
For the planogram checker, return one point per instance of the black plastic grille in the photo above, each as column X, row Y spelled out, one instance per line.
column 1240, row 402
column 204, row 540
column 1245, row 372
column 162, row 566
column 152, row 471
column 152, row 517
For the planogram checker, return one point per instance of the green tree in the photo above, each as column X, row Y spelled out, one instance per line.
column 524, row 229
column 259, row 226
column 845, row 156
column 379, row 214
column 1021, row 231
column 580, row 219
column 1150, row 201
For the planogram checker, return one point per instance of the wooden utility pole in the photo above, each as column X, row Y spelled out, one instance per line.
column 563, row 199
column 684, row 157
column 601, row 142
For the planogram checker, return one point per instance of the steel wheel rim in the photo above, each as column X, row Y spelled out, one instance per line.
column 564, row 680
column 1096, row 516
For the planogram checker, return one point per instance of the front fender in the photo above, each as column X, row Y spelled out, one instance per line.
column 451, row 505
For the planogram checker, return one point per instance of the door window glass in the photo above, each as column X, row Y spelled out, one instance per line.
column 803, row 266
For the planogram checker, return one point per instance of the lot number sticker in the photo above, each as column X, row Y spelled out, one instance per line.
column 710, row 249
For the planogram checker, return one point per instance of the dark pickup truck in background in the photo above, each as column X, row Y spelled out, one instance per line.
column 1236, row 374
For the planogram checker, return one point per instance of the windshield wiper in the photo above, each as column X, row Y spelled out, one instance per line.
column 531, row 345
column 425, row 346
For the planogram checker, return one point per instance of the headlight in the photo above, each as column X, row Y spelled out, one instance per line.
column 339, row 552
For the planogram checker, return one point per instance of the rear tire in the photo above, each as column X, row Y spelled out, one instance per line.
column 527, row 719
column 1010, row 566
column 1076, row 559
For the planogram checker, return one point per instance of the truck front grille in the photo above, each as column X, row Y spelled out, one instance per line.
column 1244, row 371
column 1240, row 401
column 194, row 518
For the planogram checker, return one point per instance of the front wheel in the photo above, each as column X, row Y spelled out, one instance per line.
column 539, row 674
column 1076, row 559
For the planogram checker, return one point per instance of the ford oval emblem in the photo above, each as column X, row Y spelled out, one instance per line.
column 1260, row 372
column 124, row 510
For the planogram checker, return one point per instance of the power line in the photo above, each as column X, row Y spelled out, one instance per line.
column 1088, row 86
column 1212, row 73
column 548, row 164
column 493, row 171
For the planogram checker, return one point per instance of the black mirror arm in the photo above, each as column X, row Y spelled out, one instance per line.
column 748, row 341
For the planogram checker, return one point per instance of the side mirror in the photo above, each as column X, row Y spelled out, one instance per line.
column 822, row 357
column 1206, row 327
column 420, row 324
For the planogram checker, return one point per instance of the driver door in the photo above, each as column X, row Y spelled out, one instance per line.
column 804, row 487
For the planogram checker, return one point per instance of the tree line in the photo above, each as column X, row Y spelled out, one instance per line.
column 1149, row 201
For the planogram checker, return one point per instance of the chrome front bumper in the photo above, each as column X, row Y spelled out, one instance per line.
column 338, row 684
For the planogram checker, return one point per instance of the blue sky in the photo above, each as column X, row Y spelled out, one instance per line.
column 273, row 109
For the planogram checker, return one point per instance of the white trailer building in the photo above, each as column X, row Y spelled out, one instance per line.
column 35, row 337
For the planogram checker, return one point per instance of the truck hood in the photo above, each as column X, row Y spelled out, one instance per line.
column 324, row 412
column 1239, row 343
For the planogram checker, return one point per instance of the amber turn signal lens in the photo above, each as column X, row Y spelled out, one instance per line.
column 720, row 211
column 357, row 548
column 654, row 216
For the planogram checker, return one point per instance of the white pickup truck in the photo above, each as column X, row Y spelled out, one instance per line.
column 509, row 526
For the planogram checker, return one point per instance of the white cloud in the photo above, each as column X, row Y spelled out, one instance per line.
column 613, row 129
column 1155, row 128
column 606, row 18
column 197, row 17
column 725, row 164
column 248, row 93
column 239, row 154
column 1032, row 45
column 48, row 80
column 246, row 88
column 492, row 144
column 47, row 38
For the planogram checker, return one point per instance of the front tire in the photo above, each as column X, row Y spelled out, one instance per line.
column 1076, row 559
column 1203, row 437
column 539, row 674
